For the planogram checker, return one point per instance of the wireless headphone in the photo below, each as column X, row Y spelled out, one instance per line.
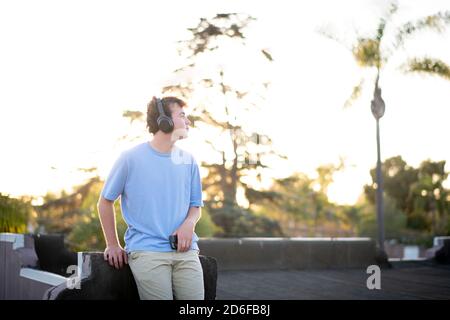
column 164, row 122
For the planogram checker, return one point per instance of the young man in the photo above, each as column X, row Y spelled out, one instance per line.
column 161, row 195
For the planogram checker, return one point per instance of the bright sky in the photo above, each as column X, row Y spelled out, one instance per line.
column 69, row 69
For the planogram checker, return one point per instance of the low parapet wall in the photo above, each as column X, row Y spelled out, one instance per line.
column 29, row 267
column 289, row 253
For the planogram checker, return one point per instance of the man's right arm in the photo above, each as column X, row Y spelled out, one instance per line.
column 114, row 253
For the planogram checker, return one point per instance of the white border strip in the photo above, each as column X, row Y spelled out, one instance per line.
column 16, row 239
column 42, row 276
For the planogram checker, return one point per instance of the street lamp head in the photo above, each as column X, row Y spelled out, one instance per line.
column 377, row 105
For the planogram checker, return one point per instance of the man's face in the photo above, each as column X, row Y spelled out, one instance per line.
column 180, row 122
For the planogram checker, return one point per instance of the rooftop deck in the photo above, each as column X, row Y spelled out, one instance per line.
column 405, row 280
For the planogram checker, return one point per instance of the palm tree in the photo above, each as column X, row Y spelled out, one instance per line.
column 374, row 53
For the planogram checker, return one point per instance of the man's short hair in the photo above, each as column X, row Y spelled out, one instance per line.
column 152, row 111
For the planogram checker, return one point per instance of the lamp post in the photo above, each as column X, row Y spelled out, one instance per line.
column 378, row 108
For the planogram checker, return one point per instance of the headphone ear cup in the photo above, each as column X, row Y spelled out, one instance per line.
column 165, row 124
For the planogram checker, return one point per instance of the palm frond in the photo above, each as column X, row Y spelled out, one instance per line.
column 367, row 52
column 428, row 65
column 388, row 16
column 380, row 29
column 356, row 93
column 436, row 22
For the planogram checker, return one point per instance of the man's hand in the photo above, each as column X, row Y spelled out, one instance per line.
column 116, row 256
column 185, row 233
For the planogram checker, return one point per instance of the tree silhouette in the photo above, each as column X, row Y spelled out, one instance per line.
column 243, row 150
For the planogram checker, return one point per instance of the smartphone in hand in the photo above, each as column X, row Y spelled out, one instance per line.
column 173, row 239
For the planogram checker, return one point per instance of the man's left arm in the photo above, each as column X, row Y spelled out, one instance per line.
column 186, row 231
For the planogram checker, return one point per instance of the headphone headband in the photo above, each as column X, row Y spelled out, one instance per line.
column 160, row 107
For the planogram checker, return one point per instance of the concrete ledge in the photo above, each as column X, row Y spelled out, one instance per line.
column 289, row 253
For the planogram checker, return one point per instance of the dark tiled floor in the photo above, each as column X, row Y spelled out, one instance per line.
column 406, row 280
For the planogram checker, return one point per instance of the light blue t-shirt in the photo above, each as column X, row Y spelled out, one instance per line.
column 156, row 189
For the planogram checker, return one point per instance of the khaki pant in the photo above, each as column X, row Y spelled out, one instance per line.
column 163, row 275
